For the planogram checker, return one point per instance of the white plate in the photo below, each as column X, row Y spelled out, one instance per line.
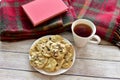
column 56, row 72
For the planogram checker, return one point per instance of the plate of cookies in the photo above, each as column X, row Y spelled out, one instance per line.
column 52, row 55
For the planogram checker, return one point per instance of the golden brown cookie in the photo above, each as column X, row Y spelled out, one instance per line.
column 50, row 66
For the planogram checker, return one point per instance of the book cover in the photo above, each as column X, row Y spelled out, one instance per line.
column 40, row 11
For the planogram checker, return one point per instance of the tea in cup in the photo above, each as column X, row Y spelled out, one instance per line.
column 83, row 31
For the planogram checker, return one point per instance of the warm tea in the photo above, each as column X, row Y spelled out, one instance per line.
column 82, row 30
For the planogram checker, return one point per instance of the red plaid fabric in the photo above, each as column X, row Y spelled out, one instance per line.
column 15, row 25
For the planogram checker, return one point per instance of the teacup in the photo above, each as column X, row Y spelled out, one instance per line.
column 83, row 31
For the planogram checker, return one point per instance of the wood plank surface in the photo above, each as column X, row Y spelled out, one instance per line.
column 16, row 46
column 100, row 52
column 91, row 51
column 86, row 67
column 93, row 62
column 24, row 75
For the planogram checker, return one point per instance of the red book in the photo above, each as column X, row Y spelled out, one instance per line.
column 40, row 11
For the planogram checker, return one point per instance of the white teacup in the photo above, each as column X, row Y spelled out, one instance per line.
column 83, row 31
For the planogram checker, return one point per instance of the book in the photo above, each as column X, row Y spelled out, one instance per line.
column 40, row 11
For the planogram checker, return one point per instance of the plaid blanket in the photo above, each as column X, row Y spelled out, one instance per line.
column 15, row 25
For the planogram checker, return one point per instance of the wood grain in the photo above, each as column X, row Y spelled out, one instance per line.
column 91, row 51
column 23, row 75
column 100, row 52
column 16, row 46
column 85, row 67
column 93, row 62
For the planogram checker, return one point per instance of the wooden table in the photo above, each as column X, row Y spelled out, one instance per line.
column 93, row 62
